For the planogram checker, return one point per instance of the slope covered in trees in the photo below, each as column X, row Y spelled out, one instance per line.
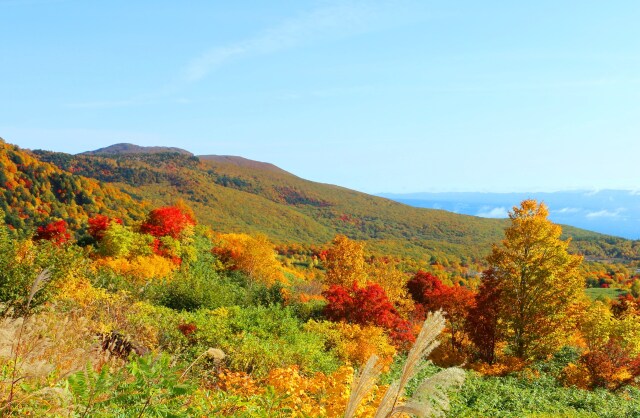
column 34, row 193
column 233, row 194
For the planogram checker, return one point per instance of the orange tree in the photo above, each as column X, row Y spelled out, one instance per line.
column 539, row 283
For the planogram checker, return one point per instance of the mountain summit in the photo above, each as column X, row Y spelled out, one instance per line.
column 125, row 148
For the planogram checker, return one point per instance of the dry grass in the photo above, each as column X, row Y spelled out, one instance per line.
column 430, row 399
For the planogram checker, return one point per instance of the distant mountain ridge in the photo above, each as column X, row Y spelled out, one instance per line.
column 234, row 194
column 126, row 148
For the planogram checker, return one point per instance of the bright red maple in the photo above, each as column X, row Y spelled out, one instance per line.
column 55, row 232
column 99, row 224
column 167, row 221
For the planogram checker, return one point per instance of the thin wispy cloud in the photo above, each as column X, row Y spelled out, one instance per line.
column 106, row 104
column 103, row 104
column 605, row 213
column 566, row 210
column 592, row 192
column 333, row 21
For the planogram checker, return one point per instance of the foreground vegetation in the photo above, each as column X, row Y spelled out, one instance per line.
column 168, row 318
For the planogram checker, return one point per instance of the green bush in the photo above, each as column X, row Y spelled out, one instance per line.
column 193, row 290
column 512, row 397
column 20, row 264
column 147, row 386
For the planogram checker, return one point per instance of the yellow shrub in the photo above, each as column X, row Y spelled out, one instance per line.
column 81, row 292
column 238, row 383
column 505, row 366
column 576, row 375
column 140, row 268
column 319, row 395
column 353, row 343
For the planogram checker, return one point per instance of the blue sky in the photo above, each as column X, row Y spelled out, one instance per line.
column 384, row 96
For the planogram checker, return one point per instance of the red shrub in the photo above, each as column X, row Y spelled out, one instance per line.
column 430, row 294
column 612, row 367
column 367, row 306
column 624, row 304
column 422, row 285
column 55, row 232
column 187, row 328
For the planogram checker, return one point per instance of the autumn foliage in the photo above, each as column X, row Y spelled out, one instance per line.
column 611, row 367
column 540, row 287
column 345, row 262
column 253, row 255
column 482, row 321
column 167, row 221
column 367, row 305
column 55, row 232
column 455, row 301
column 99, row 224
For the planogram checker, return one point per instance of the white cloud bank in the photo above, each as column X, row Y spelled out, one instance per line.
column 488, row 212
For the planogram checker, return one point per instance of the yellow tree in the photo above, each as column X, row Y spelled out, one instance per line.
column 394, row 282
column 345, row 262
column 253, row 255
column 539, row 282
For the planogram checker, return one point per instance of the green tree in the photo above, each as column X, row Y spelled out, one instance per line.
column 635, row 288
column 121, row 241
column 540, row 288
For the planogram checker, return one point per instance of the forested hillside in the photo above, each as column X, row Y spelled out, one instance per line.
column 33, row 193
column 233, row 194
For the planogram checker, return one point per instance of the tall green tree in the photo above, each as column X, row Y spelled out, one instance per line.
column 540, row 288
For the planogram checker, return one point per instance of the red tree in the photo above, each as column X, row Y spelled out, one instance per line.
column 166, row 221
column 482, row 321
column 99, row 224
column 367, row 305
column 456, row 301
column 422, row 285
column 55, row 232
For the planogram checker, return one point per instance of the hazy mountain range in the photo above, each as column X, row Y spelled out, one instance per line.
column 613, row 212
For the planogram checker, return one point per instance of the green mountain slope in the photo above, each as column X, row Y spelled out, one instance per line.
column 233, row 194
